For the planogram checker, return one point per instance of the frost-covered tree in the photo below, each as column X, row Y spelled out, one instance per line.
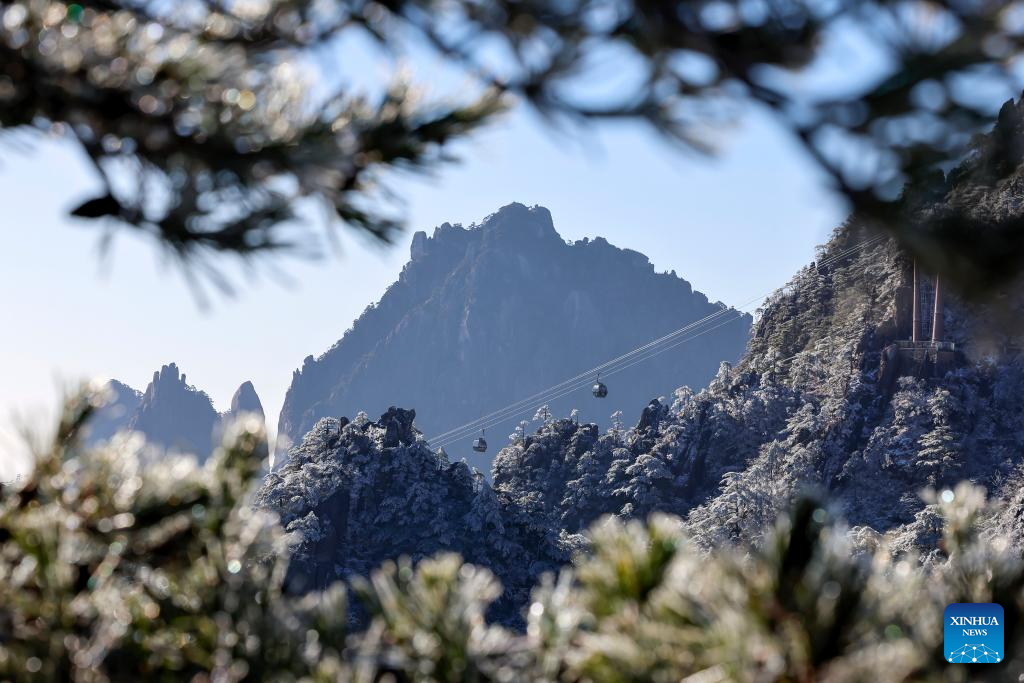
column 616, row 426
column 523, row 427
column 587, row 494
column 123, row 570
column 354, row 495
column 939, row 449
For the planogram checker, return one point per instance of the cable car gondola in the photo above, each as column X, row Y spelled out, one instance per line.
column 627, row 360
column 480, row 443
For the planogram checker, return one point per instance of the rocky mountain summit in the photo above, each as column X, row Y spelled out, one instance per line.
column 483, row 316
column 172, row 414
column 245, row 400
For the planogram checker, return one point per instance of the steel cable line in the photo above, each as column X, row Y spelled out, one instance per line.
column 584, row 378
column 601, row 368
column 512, row 411
column 678, row 343
column 587, row 374
column 559, row 390
column 635, row 361
column 552, row 394
column 623, row 361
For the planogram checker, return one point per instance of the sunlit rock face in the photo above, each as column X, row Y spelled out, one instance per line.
column 171, row 414
column 483, row 316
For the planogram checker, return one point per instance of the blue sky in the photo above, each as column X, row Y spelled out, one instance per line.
column 735, row 226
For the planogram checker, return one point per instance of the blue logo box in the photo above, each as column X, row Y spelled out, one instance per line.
column 973, row 633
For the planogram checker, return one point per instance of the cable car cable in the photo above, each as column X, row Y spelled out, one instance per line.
column 450, row 440
column 627, row 358
column 505, row 413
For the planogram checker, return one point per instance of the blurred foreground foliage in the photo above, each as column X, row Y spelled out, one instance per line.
column 117, row 569
column 206, row 120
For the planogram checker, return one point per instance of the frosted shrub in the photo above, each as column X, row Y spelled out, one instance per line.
column 113, row 569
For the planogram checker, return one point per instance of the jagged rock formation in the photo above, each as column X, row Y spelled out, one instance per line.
column 356, row 493
column 172, row 414
column 484, row 316
column 246, row 400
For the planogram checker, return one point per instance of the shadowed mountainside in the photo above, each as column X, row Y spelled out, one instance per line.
column 484, row 316
column 354, row 494
column 172, row 414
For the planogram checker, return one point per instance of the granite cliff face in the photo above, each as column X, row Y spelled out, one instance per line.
column 171, row 414
column 484, row 316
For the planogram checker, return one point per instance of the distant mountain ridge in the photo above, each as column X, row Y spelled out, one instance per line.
column 171, row 414
column 486, row 315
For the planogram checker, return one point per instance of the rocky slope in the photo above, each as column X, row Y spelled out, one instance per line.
column 354, row 494
column 484, row 316
column 172, row 414
column 817, row 402
column 824, row 398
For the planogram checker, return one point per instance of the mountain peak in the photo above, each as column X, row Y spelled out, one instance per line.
column 168, row 375
column 170, row 414
column 174, row 415
column 246, row 400
column 485, row 315
column 519, row 219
